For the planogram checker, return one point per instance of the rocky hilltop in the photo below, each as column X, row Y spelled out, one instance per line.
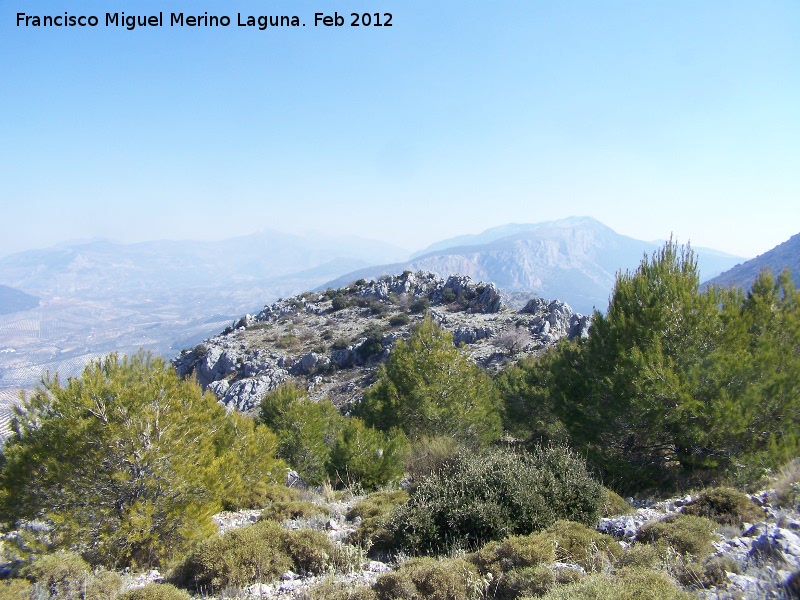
column 332, row 342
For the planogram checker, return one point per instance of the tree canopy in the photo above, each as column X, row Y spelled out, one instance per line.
column 428, row 387
column 674, row 384
column 126, row 464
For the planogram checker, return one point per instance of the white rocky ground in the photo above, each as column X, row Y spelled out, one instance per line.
column 765, row 553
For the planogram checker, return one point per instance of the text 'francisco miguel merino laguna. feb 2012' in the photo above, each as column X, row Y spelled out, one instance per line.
column 262, row 22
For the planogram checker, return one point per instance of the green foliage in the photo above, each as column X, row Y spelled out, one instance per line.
column 259, row 552
column 375, row 511
column 787, row 485
column 673, row 385
column 398, row 320
column 420, row 305
column 156, row 591
column 339, row 303
column 293, row 509
column 367, row 456
column 320, row 443
column 687, row 534
column 428, row 387
column 127, row 463
column 615, row 505
column 431, row 579
column 576, row 543
column 306, row 430
column 428, row 455
column 15, row 589
column 725, row 506
column 331, row 589
column 478, row 497
column 512, row 553
column 61, row 575
column 628, row 584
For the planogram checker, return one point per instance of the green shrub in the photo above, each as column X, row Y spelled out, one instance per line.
column 481, row 496
column 339, row 303
column 515, row 552
column 615, row 505
column 15, row 589
column 261, row 552
column 60, row 575
column 375, row 511
column 366, row 456
column 787, row 485
column 331, row 589
column 156, row 591
column 528, row 581
column 428, row 455
column 627, row 584
column 686, row 533
column 576, row 543
column 306, row 430
column 127, row 463
column 431, row 579
column 429, row 387
column 725, row 506
column 293, row 509
column 399, row 320
column 264, row 494
column 420, row 305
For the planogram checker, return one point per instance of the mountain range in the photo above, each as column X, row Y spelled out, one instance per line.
column 575, row 260
column 96, row 297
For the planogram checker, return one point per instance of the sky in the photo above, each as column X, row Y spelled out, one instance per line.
column 657, row 118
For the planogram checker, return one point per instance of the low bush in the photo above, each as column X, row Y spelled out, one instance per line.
column 293, row 509
column 615, row 505
column 258, row 552
column 367, row 457
column 339, row 303
column 627, row 584
column 725, row 506
column 15, row 589
column 515, row 552
column 264, row 494
column 399, row 320
column 156, row 591
column 375, row 511
column 576, row 543
column 331, row 589
column 59, row 575
column 686, row 533
column 483, row 496
column 787, row 485
column 420, row 305
column 428, row 455
column 431, row 579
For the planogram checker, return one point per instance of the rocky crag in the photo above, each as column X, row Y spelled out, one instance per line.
column 332, row 342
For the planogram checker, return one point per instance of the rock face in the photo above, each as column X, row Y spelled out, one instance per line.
column 331, row 343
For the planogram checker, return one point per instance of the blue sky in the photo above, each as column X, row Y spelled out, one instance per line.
column 654, row 117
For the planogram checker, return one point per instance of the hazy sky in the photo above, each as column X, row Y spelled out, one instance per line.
column 654, row 117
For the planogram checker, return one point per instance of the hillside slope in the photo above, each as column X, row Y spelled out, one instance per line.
column 782, row 256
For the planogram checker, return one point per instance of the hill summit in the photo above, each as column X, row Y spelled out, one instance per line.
column 331, row 343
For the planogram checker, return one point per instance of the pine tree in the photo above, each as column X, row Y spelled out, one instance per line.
column 127, row 463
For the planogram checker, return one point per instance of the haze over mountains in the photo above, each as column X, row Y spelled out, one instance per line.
column 98, row 297
column 574, row 260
